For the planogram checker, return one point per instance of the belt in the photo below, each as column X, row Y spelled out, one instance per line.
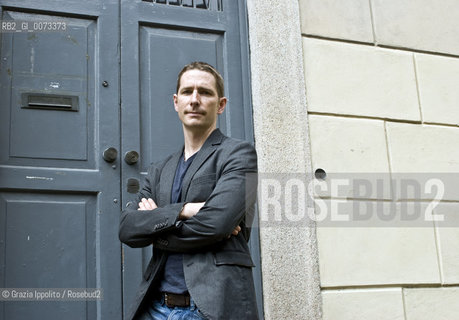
column 176, row 300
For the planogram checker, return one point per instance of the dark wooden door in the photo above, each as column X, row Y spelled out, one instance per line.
column 104, row 84
column 59, row 199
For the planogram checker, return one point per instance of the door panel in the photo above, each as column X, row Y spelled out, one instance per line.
column 156, row 105
column 43, row 133
column 37, row 258
column 59, row 208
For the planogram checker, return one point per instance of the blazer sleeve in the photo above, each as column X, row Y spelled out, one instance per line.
column 232, row 198
column 138, row 228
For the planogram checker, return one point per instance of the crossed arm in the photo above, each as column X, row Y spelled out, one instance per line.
column 184, row 227
column 189, row 210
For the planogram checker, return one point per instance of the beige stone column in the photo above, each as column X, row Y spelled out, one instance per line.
column 291, row 287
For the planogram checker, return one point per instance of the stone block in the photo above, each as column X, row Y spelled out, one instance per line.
column 423, row 148
column 438, row 79
column 426, row 156
column 341, row 144
column 432, row 303
column 349, row 20
column 363, row 304
column 448, row 242
column 357, row 256
column 360, row 80
column 417, row 24
column 349, row 151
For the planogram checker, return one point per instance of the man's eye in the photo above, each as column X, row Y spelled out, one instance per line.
column 186, row 92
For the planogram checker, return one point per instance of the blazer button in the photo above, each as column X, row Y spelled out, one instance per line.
column 163, row 242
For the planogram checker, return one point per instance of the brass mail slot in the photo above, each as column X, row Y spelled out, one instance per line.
column 45, row 101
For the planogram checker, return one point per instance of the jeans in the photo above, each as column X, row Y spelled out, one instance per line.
column 158, row 310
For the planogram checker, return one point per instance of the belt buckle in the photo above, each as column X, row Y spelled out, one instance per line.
column 171, row 300
column 166, row 300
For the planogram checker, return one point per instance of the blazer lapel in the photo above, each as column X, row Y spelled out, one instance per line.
column 167, row 178
column 203, row 154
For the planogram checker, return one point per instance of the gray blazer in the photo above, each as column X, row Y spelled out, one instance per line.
column 217, row 269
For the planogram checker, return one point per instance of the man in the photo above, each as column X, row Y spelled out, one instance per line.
column 195, row 208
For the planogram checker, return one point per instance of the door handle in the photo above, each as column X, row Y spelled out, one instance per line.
column 131, row 157
column 110, row 154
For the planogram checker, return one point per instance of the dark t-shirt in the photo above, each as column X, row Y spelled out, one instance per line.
column 173, row 280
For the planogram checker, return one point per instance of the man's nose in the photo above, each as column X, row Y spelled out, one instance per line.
column 195, row 97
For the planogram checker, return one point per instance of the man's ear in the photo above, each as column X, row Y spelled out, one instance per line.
column 222, row 105
column 175, row 101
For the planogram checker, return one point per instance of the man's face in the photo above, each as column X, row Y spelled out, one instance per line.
column 197, row 102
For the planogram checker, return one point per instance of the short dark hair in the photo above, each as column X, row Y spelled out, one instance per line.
column 204, row 66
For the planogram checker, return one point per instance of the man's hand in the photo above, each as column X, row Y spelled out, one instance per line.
column 190, row 209
column 235, row 231
column 147, row 204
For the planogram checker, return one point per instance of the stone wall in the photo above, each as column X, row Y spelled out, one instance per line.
column 382, row 93
column 288, row 253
